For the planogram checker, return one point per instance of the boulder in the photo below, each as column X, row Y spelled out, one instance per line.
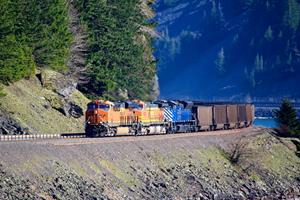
column 64, row 106
column 8, row 126
column 57, row 91
column 122, row 93
column 62, row 85
column 75, row 110
column 70, row 109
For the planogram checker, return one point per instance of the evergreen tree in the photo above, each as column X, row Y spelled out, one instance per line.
column 117, row 59
column 32, row 33
column 16, row 59
column 246, row 3
column 290, row 59
column 292, row 14
column 44, row 26
column 269, row 34
column 213, row 12
column 286, row 118
column 220, row 61
column 259, row 63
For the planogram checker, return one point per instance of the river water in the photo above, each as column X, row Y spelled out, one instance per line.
column 269, row 123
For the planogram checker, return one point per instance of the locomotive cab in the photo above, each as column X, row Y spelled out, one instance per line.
column 97, row 112
column 97, row 117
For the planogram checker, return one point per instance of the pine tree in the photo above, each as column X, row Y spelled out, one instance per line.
column 259, row 63
column 269, row 34
column 286, row 118
column 220, row 61
column 213, row 11
column 246, row 3
column 292, row 14
column 16, row 59
column 117, row 59
column 290, row 59
column 32, row 33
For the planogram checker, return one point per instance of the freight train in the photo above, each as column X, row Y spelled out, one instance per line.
column 106, row 118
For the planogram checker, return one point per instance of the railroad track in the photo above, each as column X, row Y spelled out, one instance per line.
column 82, row 135
column 40, row 136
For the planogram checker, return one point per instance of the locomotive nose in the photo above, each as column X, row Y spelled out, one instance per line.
column 96, row 116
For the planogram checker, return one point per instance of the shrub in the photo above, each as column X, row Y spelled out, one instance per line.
column 2, row 94
column 237, row 151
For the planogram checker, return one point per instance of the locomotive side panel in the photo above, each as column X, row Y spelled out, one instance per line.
column 205, row 116
column 177, row 114
column 113, row 117
column 183, row 114
column 168, row 114
column 156, row 115
column 127, row 117
column 232, row 115
column 186, row 115
column 219, row 115
column 152, row 115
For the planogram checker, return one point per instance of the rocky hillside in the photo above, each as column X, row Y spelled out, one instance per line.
column 154, row 167
column 46, row 103
column 229, row 49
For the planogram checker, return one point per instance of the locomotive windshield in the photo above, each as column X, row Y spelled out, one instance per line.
column 103, row 107
column 93, row 106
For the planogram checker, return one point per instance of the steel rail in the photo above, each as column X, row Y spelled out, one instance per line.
column 40, row 136
column 82, row 135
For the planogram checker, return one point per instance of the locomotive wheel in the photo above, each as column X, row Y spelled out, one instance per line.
column 196, row 129
column 94, row 131
column 89, row 131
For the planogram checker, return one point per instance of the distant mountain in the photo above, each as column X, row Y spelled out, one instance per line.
column 233, row 49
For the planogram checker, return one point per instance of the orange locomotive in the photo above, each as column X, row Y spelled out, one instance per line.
column 105, row 118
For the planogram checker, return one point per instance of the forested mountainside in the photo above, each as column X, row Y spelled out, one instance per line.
column 229, row 49
column 104, row 45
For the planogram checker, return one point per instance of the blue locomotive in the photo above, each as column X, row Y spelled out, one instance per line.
column 179, row 116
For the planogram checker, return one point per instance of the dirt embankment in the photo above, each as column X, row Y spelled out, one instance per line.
column 154, row 167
